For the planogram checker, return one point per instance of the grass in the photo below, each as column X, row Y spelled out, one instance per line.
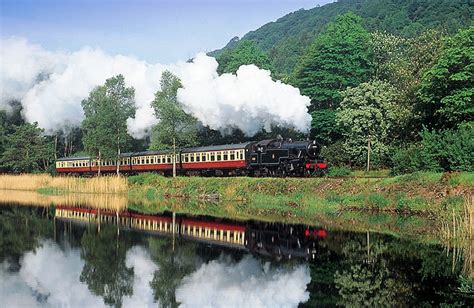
column 49, row 184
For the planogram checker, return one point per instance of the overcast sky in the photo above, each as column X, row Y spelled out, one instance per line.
column 156, row 31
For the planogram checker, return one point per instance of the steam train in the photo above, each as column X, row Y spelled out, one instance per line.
column 272, row 157
column 273, row 240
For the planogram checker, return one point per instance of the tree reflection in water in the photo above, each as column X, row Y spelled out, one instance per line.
column 105, row 271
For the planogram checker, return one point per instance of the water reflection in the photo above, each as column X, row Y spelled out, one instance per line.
column 246, row 283
column 32, row 198
column 73, row 262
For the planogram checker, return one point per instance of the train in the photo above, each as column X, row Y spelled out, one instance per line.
column 271, row 157
column 273, row 240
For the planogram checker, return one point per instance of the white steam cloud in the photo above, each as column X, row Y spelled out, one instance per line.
column 51, row 86
column 247, row 283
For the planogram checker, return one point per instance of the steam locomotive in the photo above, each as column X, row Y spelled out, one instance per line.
column 272, row 157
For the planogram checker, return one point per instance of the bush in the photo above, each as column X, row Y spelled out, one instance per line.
column 448, row 150
column 339, row 171
column 335, row 154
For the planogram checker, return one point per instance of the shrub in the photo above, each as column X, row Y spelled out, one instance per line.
column 448, row 150
column 339, row 171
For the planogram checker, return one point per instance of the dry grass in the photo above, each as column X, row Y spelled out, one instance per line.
column 32, row 198
column 104, row 184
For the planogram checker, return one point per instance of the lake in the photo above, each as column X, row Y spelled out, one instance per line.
column 72, row 255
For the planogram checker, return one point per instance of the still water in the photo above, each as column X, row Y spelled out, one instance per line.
column 69, row 256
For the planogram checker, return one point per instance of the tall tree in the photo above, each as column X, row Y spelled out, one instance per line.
column 339, row 58
column 367, row 114
column 27, row 150
column 246, row 52
column 175, row 128
column 447, row 90
column 106, row 112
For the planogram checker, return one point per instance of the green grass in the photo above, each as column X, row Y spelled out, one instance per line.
column 49, row 191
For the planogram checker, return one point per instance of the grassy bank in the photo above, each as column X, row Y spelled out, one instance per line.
column 420, row 193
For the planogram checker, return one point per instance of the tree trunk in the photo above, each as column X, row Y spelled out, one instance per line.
column 368, row 155
column 118, row 160
column 98, row 164
column 118, row 152
column 174, row 157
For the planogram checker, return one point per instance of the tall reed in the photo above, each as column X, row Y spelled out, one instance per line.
column 458, row 236
column 104, row 184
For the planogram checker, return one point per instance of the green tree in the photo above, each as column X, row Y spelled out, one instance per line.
column 106, row 112
column 246, row 52
column 447, row 90
column 368, row 113
column 27, row 149
column 339, row 58
column 175, row 128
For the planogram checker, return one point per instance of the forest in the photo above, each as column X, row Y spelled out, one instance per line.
column 395, row 76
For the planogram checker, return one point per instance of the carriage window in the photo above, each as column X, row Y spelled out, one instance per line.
column 159, row 160
column 186, row 158
column 147, row 160
column 203, row 157
column 213, row 158
column 226, row 157
column 232, row 156
column 168, row 158
column 192, row 158
column 198, row 157
column 219, row 156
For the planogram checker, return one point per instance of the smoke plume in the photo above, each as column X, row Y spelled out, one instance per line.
column 51, row 86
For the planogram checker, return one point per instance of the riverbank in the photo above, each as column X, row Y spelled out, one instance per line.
column 400, row 205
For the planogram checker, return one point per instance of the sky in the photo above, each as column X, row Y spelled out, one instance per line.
column 160, row 31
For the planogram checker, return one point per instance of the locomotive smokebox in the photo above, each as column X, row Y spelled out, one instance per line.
column 313, row 150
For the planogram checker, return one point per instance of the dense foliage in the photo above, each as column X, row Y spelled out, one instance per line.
column 449, row 150
column 447, row 89
column 286, row 39
column 26, row 149
column 246, row 52
column 338, row 58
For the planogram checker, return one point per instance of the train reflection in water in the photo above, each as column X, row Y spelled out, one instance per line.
column 274, row 240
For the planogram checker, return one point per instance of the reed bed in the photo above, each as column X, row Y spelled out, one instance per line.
column 104, row 184
column 32, row 198
column 459, row 228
